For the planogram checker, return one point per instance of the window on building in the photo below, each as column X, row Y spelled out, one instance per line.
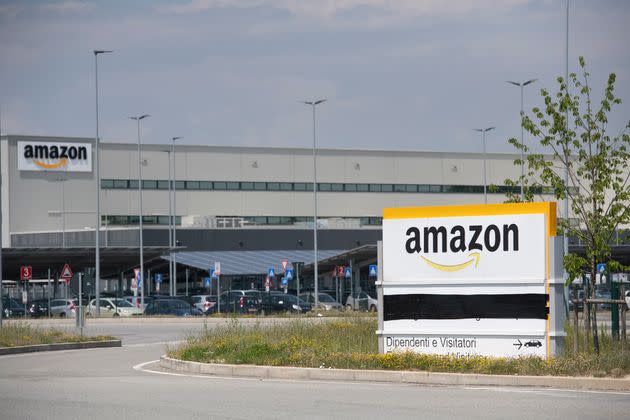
column 149, row 184
column 323, row 186
column 387, row 188
column 107, row 184
column 247, row 186
column 273, row 186
column 180, row 185
column 220, row 185
column 286, row 186
column 192, row 185
column 336, row 187
column 162, row 185
column 350, row 187
column 260, row 186
column 232, row 186
column 122, row 184
column 205, row 185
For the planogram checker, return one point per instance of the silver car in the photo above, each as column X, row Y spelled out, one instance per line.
column 63, row 308
column 361, row 301
column 326, row 302
column 204, row 302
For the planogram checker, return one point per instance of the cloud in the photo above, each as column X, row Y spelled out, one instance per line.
column 68, row 6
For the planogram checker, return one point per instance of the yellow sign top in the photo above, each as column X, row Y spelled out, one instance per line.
column 546, row 208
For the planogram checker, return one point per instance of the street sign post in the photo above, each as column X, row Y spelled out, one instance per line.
column 66, row 273
column 217, row 268
column 372, row 270
column 284, row 264
column 272, row 272
column 348, row 272
column 26, row 272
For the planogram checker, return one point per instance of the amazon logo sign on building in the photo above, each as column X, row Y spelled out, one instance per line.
column 54, row 156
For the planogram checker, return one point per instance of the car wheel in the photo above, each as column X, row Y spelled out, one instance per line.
column 348, row 307
column 62, row 315
column 372, row 308
column 116, row 315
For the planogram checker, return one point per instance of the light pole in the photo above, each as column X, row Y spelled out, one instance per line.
column 522, row 85
column 97, row 181
column 313, row 104
column 142, row 280
column 483, row 135
column 174, row 220
column 566, row 166
column 170, row 219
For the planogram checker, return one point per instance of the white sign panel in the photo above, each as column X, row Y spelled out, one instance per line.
column 467, row 280
column 54, row 156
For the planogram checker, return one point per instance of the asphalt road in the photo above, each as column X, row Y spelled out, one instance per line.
column 103, row 384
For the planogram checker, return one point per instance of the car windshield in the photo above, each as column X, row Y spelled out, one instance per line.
column 323, row 297
column 122, row 303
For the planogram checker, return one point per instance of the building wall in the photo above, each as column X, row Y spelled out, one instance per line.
column 37, row 200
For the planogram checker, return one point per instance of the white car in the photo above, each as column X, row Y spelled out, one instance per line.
column 361, row 301
column 628, row 299
column 112, row 307
column 63, row 308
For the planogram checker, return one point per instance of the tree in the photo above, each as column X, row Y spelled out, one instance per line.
column 575, row 139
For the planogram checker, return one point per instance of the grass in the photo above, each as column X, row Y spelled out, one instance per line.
column 351, row 344
column 22, row 334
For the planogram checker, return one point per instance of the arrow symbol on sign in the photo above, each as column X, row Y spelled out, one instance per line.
column 519, row 344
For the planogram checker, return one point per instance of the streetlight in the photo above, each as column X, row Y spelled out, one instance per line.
column 313, row 104
column 522, row 85
column 173, row 218
column 97, row 181
column 483, row 132
column 142, row 282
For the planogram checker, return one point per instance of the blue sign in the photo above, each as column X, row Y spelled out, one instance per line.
column 207, row 281
column 158, row 278
column 139, row 280
column 373, row 270
column 272, row 272
column 284, row 282
column 348, row 272
column 212, row 275
column 289, row 274
column 601, row 267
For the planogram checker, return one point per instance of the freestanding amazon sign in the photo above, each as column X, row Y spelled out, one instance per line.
column 471, row 280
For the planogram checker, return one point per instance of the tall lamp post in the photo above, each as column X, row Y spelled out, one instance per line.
column 483, row 135
column 1, row 297
column 313, row 104
column 97, row 181
column 522, row 85
column 173, row 220
column 142, row 280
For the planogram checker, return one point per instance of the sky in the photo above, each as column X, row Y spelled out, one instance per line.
column 397, row 74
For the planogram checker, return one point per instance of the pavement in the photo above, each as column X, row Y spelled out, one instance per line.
column 127, row 382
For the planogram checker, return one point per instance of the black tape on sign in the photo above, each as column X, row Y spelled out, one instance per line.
column 429, row 306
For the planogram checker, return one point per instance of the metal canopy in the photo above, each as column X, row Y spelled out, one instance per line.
column 235, row 263
column 114, row 260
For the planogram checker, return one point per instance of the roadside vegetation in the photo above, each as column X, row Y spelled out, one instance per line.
column 351, row 344
column 22, row 334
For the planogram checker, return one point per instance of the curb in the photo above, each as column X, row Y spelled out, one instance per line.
column 401, row 377
column 59, row 346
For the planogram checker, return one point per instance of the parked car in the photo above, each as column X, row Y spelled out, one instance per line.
column 37, row 308
column 326, row 302
column 63, row 308
column 113, row 307
column 361, row 301
column 171, row 306
column 12, row 308
column 237, row 301
column 281, row 302
column 628, row 299
column 603, row 295
column 580, row 298
column 204, row 302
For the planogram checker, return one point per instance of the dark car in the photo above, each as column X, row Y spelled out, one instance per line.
column 603, row 295
column 237, row 301
column 280, row 302
column 175, row 307
column 37, row 308
column 533, row 343
column 11, row 308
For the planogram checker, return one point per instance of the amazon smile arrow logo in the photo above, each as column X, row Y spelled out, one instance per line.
column 62, row 162
column 475, row 256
